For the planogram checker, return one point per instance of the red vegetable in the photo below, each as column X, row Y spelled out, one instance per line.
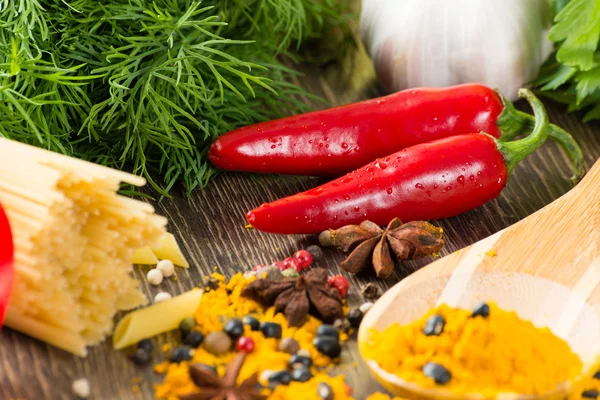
column 6, row 263
column 335, row 141
column 432, row 180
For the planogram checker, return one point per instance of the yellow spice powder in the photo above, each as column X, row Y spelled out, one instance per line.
column 226, row 302
column 309, row 390
column 498, row 354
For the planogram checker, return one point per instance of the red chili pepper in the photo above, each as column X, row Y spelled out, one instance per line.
column 6, row 263
column 335, row 141
column 432, row 180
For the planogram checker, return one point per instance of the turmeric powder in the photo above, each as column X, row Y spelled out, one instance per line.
column 585, row 391
column 224, row 301
column 487, row 352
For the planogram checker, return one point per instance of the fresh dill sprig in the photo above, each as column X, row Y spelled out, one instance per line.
column 147, row 85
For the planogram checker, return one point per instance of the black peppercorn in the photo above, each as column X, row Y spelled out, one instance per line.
column 280, row 378
column 481, row 310
column 271, row 330
column 437, row 372
column 234, row 328
column 193, row 339
column 183, row 353
column 146, row 344
column 328, row 345
column 328, row 330
column 298, row 360
column 252, row 322
column 590, row 394
column 355, row 317
column 434, row 326
column 141, row 357
column 301, row 374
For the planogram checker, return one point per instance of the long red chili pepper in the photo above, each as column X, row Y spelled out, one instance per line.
column 338, row 140
column 6, row 263
column 438, row 179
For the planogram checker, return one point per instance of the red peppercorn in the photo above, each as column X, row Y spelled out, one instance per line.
column 292, row 263
column 258, row 267
column 305, row 258
column 245, row 344
column 280, row 265
column 340, row 283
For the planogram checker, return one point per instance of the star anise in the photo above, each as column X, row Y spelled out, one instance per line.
column 297, row 297
column 213, row 387
column 371, row 245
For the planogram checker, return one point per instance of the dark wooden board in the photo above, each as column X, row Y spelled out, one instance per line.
column 210, row 227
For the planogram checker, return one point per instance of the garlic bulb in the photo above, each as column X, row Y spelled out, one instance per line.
column 413, row 43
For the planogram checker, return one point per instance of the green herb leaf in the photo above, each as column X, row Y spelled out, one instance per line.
column 147, row 85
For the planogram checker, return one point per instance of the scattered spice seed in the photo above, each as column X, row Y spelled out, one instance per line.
column 245, row 344
column 340, row 283
column 217, row 342
column 481, row 310
column 301, row 374
column 437, row 372
column 162, row 296
column 280, row 378
column 328, row 345
column 234, row 328
column 193, row 339
column 290, row 273
column 355, row 317
column 145, row 344
column 271, row 272
column 81, row 388
column 292, row 263
column 325, row 391
column 187, row 325
column 183, row 353
column 155, row 277
column 297, row 361
column 252, row 322
column 328, row 330
column 316, row 252
column 590, row 394
column 271, row 330
column 289, row 345
column 166, row 267
column 435, row 325
column 141, row 357
column 371, row 291
column 304, row 257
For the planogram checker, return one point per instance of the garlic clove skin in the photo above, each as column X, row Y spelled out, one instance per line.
column 434, row 43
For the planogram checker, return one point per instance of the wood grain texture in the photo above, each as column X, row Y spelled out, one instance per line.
column 210, row 227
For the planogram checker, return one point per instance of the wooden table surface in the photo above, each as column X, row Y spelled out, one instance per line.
column 210, row 227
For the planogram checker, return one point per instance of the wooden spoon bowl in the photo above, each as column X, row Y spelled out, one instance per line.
column 546, row 268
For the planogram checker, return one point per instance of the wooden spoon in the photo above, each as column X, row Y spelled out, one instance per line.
column 545, row 267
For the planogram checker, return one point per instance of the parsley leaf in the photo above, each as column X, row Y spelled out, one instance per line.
column 572, row 74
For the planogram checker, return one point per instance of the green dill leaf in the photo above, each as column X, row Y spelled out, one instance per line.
column 147, row 86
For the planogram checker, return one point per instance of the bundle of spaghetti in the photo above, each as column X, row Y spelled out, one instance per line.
column 74, row 238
